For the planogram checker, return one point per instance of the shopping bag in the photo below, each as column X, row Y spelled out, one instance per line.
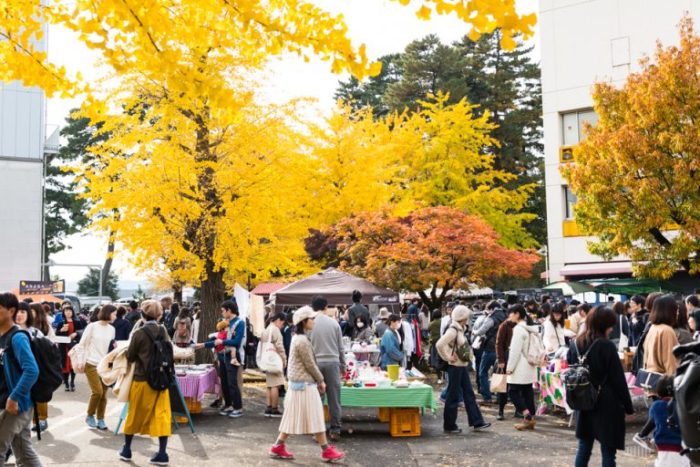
column 78, row 358
column 269, row 360
column 499, row 382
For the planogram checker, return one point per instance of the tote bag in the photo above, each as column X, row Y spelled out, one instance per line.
column 269, row 360
column 78, row 354
column 499, row 381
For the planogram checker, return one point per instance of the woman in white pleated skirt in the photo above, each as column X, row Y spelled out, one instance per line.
column 303, row 408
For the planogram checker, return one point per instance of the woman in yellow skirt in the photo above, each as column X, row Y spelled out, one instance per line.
column 149, row 410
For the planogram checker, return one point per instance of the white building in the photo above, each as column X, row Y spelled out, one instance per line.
column 22, row 136
column 584, row 42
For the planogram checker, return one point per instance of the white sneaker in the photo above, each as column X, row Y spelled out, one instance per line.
column 236, row 413
column 645, row 443
column 226, row 411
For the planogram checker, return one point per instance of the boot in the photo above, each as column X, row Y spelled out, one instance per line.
column 525, row 425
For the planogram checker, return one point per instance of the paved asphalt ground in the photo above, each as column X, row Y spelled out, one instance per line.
column 219, row 441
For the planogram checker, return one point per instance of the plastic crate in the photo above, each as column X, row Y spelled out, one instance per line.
column 405, row 422
column 193, row 405
column 384, row 414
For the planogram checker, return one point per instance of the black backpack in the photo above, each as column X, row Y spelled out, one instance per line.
column 161, row 367
column 48, row 359
column 581, row 393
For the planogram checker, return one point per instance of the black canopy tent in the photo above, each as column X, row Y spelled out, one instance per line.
column 337, row 286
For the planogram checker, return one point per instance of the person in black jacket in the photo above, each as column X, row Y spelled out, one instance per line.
column 638, row 319
column 606, row 422
column 133, row 313
column 122, row 327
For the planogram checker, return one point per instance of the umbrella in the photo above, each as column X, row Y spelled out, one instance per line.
column 569, row 288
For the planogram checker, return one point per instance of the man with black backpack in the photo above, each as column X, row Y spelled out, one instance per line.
column 19, row 373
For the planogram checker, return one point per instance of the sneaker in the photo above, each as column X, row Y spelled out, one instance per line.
column 72, row 388
column 278, row 451
column 91, row 422
column 67, row 388
column 500, row 416
column 125, row 454
column 525, row 425
column 645, row 443
column 101, row 425
column 43, row 426
column 334, row 435
column 481, row 426
column 236, row 413
column 216, row 404
column 160, row 459
column 454, row 431
column 226, row 411
column 331, row 454
column 275, row 413
column 268, row 412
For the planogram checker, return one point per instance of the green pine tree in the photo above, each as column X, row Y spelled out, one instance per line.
column 371, row 92
column 90, row 284
column 64, row 211
column 427, row 66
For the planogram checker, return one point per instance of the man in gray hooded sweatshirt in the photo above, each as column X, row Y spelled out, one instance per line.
column 327, row 342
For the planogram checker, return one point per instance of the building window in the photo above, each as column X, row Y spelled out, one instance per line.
column 569, row 202
column 573, row 125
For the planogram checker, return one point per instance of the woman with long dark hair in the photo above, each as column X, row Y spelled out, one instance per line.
column 71, row 327
column 555, row 332
column 606, row 421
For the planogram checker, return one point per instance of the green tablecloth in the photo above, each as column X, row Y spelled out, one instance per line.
column 422, row 397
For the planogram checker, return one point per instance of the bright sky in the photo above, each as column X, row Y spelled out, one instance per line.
column 383, row 25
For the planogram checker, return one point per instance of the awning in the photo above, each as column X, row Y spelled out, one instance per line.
column 593, row 269
column 631, row 286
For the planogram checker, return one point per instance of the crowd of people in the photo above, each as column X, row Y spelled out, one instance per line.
column 501, row 339
column 305, row 361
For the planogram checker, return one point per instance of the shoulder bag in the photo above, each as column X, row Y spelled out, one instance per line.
column 269, row 360
column 78, row 354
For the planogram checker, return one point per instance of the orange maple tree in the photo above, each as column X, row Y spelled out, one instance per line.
column 431, row 251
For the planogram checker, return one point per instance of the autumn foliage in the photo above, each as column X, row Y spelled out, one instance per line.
column 636, row 174
column 435, row 249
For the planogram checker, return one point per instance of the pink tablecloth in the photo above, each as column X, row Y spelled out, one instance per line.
column 196, row 386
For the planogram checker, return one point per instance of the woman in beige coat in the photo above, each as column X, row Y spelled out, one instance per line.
column 273, row 334
column 303, row 411
column 458, row 382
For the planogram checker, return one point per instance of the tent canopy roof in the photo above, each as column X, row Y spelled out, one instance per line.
column 337, row 286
